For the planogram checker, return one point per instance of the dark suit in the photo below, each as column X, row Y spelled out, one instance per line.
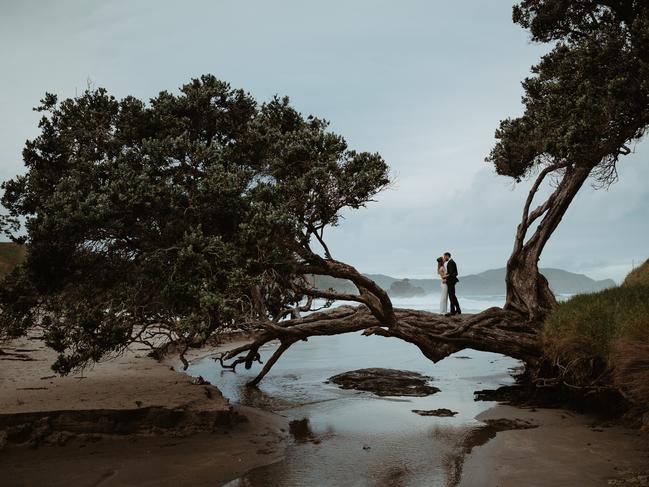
column 451, row 281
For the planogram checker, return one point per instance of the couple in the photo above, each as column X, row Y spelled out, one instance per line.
column 447, row 270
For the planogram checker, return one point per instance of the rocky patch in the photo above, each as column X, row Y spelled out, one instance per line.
column 386, row 382
column 442, row 412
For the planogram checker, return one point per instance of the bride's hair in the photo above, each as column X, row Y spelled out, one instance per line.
column 440, row 262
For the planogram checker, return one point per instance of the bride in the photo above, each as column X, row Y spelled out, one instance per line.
column 441, row 270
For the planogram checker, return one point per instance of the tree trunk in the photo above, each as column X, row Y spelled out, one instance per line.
column 528, row 291
column 437, row 336
column 514, row 330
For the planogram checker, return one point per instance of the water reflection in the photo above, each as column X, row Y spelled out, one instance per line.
column 300, row 430
column 351, row 438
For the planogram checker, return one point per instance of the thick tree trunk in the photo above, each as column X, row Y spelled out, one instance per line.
column 528, row 291
column 514, row 330
column 437, row 336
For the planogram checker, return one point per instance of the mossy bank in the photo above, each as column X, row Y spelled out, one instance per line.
column 599, row 344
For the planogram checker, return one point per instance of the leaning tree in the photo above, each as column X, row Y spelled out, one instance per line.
column 171, row 221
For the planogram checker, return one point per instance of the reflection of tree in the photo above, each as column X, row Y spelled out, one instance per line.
column 472, row 438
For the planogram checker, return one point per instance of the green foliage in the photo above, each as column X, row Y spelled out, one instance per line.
column 165, row 215
column 602, row 339
column 597, row 320
column 588, row 97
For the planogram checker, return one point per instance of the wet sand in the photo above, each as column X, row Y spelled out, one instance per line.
column 197, row 460
column 354, row 438
column 566, row 449
column 304, row 432
column 131, row 380
column 128, row 421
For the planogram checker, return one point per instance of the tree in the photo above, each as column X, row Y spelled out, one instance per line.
column 587, row 100
column 203, row 211
column 170, row 220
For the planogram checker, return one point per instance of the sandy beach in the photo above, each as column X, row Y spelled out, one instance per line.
column 564, row 449
column 127, row 421
column 134, row 421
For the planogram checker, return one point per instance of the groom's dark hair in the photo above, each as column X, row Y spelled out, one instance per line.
column 447, row 253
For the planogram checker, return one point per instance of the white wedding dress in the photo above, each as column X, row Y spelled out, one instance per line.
column 443, row 301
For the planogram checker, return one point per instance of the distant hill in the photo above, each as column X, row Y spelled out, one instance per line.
column 491, row 282
column 11, row 255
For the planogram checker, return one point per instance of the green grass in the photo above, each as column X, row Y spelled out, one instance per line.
column 602, row 340
column 11, row 255
column 597, row 320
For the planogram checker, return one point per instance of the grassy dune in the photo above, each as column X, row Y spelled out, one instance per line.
column 11, row 255
column 602, row 340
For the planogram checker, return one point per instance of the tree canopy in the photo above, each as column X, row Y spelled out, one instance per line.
column 589, row 96
column 180, row 216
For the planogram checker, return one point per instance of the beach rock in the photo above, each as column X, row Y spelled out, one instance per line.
column 442, row 412
column 510, row 394
column 385, row 382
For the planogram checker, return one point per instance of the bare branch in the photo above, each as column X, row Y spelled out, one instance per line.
column 528, row 218
column 376, row 298
column 271, row 361
column 320, row 239
column 535, row 187
column 436, row 336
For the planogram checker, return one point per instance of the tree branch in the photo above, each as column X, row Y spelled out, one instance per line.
column 535, row 187
column 528, row 218
column 376, row 298
column 271, row 361
column 494, row 330
column 314, row 231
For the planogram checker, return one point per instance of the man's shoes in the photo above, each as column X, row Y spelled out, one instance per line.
column 448, row 314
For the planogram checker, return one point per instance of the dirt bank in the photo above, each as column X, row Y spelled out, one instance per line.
column 156, row 460
column 127, row 421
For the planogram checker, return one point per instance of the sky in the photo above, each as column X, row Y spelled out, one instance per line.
column 422, row 82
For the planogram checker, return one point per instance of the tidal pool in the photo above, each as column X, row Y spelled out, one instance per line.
column 351, row 438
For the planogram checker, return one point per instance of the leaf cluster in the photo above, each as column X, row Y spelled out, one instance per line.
column 167, row 215
column 588, row 98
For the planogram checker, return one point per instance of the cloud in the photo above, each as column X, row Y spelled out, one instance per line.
column 423, row 83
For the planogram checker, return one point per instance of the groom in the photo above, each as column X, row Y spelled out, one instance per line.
column 451, row 281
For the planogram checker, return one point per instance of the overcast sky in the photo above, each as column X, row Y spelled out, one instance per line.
column 422, row 82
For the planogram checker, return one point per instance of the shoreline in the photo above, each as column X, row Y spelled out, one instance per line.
column 200, row 459
column 563, row 448
column 87, row 429
column 100, row 425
